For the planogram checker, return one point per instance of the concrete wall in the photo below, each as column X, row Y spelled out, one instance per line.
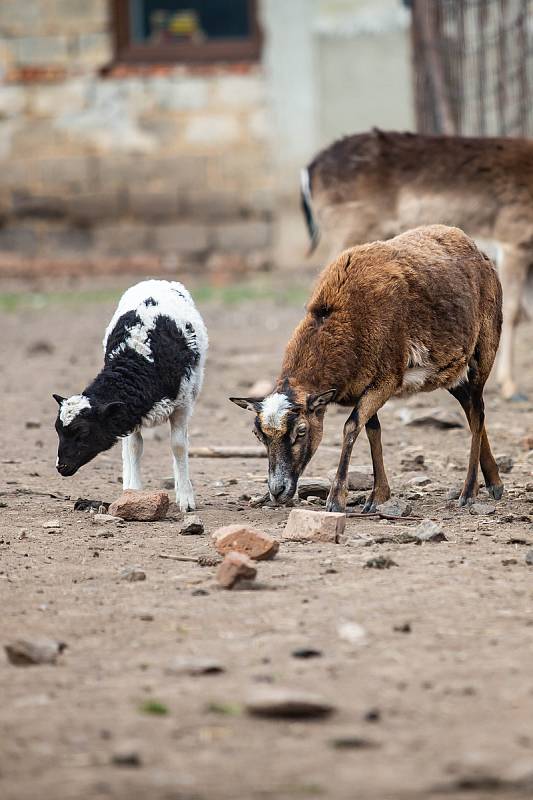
column 176, row 166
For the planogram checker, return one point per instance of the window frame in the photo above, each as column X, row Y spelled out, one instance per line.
column 126, row 51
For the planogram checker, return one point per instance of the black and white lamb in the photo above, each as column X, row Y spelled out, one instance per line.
column 154, row 355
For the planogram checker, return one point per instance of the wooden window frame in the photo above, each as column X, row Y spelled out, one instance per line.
column 127, row 51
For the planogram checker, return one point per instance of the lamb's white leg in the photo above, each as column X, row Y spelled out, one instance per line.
column 126, row 471
column 179, row 443
column 132, row 450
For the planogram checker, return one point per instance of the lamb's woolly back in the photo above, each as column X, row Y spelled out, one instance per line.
column 151, row 299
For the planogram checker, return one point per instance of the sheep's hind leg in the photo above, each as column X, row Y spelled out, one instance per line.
column 381, row 490
column 180, row 451
column 491, row 474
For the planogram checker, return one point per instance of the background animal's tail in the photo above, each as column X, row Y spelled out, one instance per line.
column 307, row 208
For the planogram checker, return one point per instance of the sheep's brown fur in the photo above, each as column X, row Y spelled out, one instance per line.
column 418, row 312
column 375, row 185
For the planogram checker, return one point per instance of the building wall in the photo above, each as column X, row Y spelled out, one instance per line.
column 163, row 167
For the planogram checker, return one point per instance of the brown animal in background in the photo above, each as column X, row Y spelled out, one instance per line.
column 376, row 185
column 419, row 312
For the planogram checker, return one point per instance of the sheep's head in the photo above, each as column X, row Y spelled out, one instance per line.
column 291, row 430
column 84, row 430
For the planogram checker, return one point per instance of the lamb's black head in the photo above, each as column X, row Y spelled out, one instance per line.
column 84, row 430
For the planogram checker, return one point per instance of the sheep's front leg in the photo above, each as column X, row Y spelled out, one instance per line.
column 338, row 493
column 179, row 444
column 362, row 415
column 132, row 450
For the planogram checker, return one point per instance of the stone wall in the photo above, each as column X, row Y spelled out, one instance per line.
column 157, row 167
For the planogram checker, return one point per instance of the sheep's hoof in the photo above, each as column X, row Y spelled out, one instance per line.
column 465, row 500
column 495, row 491
column 335, row 505
column 369, row 507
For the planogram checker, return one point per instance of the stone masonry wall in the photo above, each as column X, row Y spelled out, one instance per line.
column 157, row 167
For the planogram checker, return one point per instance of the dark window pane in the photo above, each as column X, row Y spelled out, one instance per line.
column 195, row 21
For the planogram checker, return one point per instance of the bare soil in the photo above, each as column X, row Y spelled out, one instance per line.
column 442, row 704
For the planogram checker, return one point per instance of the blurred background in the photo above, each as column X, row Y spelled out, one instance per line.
column 166, row 136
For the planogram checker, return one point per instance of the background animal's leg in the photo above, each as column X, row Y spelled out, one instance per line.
column 135, row 450
column 368, row 406
column 513, row 270
column 125, row 463
column 179, row 443
column 381, row 490
column 489, row 467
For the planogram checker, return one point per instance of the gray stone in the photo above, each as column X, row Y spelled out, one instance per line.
column 289, row 703
column 505, row 463
column 194, row 667
column 454, row 493
column 192, row 525
column 395, row 508
column 429, row 531
column 356, row 482
column 482, row 509
column 313, row 487
column 529, row 558
column 420, row 480
column 439, row 418
column 133, row 574
column 26, row 652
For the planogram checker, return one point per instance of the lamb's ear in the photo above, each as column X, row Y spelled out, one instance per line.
column 248, row 403
column 316, row 401
column 112, row 410
column 58, row 398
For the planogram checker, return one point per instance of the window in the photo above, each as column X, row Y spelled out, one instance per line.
column 186, row 30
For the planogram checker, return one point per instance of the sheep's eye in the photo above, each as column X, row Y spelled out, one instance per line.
column 301, row 430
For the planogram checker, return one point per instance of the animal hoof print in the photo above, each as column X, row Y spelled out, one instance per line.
column 495, row 491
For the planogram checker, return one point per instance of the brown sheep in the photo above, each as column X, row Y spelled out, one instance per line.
column 416, row 313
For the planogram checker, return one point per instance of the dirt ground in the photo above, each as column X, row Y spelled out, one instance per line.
column 443, row 709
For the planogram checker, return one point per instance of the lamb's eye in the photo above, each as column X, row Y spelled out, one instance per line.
column 301, row 430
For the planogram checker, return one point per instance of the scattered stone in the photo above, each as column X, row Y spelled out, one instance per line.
column 395, row 508
column 140, row 506
column 306, row 652
column 194, row 667
column 32, row 424
column 420, row 480
column 261, row 388
column 104, row 519
column 350, row 741
column 439, row 418
column 288, row 703
column 529, row 558
column 505, row 463
column 242, row 539
column 380, row 562
column 404, row 628
column 313, row 487
column 412, row 462
column 26, row 652
column 506, row 562
column 52, row 523
column 372, row 715
column 454, row 493
column 314, row 526
column 482, row 509
column 352, row 632
column 125, row 757
column 356, row 498
column 192, row 525
column 168, row 483
column 429, row 531
column 199, row 593
column 40, row 347
column 528, row 497
column 315, row 501
column 133, row 574
column 356, row 481
column 234, row 568
column 98, row 506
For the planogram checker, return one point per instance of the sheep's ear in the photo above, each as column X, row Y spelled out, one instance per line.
column 248, row 403
column 58, row 398
column 316, row 401
column 112, row 410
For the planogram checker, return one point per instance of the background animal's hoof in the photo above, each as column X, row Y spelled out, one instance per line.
column 496, row 491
